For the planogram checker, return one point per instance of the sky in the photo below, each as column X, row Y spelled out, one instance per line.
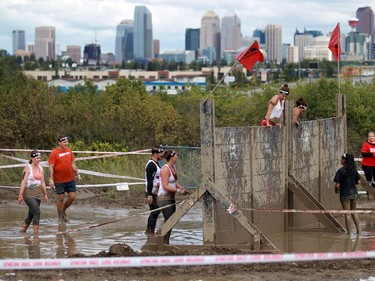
column 80, row 22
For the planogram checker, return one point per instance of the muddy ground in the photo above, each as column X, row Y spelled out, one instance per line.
column 324, row 270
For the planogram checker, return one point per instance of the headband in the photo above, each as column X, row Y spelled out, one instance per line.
column 35, row 154
column 64, row 138
column 303, row 106
column 171, row 155
column 345, row 156
column 159, row 150
column 285, row 92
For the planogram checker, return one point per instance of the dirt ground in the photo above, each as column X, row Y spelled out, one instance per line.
column 322, row 270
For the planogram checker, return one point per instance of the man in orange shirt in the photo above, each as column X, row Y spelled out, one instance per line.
column 62, row 169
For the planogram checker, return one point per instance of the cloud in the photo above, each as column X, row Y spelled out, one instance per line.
column 79, row 22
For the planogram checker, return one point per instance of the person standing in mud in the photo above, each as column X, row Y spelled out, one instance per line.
column 152, row 174
column 346, row 179
column 62, row 169
column 168, row 188
column 276, row 108
column 32, row 187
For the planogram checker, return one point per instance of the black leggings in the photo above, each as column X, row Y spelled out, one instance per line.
column 167, row 213
column 34, row 211
column 369, row 173
column 151, row 222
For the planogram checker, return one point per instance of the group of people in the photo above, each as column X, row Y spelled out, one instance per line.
column 347, row 177
column 62, row 169
column 161, row 187
column 276, row 108
column 161, row 181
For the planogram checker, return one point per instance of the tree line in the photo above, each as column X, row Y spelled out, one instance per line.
column 126, row 117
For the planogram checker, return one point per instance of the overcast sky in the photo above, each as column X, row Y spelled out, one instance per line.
column 79, row 22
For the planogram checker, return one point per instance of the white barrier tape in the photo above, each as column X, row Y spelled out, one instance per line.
column 89, row 185
column 312, row 211
column 110, row 184
column 142, row 151
column 162, row 261
column 12, row 166
column 15, row 158
column 108, row 175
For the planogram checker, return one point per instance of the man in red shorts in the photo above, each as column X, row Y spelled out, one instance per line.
column 62, row 169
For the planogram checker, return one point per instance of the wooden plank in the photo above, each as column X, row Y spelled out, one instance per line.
column 312, row 203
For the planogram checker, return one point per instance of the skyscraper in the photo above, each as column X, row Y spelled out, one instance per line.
column 192, row 39
column 230, row 32
column 274, row 43
column 91, row 54
column 304, row 39
column 74, row 52
column 366, row 20
column 366, row 26
column 18, row 40
column 260, row 34
column 156, row 47
column 45, row 42
column 143, row 33
column 124, row 41
column 210, row 32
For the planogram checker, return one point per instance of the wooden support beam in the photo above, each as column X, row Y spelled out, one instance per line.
column 369, row 188
column 257, row 236
column 312, row 203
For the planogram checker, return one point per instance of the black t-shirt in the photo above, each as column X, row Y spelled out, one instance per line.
column 347, row 183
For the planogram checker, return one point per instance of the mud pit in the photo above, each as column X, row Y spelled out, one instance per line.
column 325, row 270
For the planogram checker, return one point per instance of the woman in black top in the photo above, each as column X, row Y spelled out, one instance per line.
column 346, row 179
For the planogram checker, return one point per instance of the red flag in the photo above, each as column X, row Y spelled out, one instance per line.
column 334, row 42
column 250, row 56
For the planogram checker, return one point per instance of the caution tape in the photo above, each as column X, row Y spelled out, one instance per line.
column 163, row 261
column 141, row 151
column 312, row 211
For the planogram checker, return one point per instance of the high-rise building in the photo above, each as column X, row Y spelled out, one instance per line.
column 143, row 37
column 260, row 34
column 318, row 49
column 192, row 40
column 292, row 54
column 156, row 47
column 19, row 42
column 124, row 41
column 355, row 43
column 210, row 33
column 365, row 16
column 91, row 54
column 274, row 43
column 74, row 52
column 230, row 32
column 45, row 43
column 304, row 39
column 284, row 53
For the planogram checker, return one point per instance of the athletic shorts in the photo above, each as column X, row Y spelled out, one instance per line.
column 264, row 123
column 61, row 188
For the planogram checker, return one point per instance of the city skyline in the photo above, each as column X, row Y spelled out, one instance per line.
column 84, row 22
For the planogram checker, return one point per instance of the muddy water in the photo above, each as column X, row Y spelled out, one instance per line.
column 130, row 230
